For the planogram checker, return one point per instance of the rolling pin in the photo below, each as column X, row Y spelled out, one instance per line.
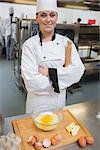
column 68, row 53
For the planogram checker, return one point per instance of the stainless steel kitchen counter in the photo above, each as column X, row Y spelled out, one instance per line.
column 86, row 113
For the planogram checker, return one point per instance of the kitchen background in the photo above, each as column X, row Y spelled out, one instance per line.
column 87, row 38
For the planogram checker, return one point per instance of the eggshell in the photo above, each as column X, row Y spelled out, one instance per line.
column 37, row 139
column 54, row 141
column 38, row 146
column 29, row 139
column 46, row 142
column 89, row 140
column 32, row 140
column 82, row 142
column 57, row 137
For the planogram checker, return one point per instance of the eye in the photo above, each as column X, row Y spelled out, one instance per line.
column 43, row 15
column 52, row 14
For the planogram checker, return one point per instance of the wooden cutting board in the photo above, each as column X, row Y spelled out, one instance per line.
column 24, row 128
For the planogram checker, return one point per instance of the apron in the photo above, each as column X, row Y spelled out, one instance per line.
column 34, row 100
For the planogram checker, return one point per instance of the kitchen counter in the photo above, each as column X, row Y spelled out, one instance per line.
column 86, row 113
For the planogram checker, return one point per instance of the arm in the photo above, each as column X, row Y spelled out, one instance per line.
column 72, row 72
column 52, row 73
column 34, row 80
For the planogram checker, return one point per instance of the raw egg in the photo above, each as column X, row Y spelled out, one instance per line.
column 46, row 120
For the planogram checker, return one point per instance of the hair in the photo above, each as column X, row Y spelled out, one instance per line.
column 37, row 13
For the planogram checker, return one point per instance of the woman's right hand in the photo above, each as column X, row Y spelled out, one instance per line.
column 43, row 71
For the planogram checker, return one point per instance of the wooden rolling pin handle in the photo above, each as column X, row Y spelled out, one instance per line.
column 68, row 54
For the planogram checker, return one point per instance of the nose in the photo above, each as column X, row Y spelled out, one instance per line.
column 48, row 18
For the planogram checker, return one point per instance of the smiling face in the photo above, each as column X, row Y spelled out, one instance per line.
column 47, row 21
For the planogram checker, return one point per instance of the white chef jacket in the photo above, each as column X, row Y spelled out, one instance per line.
column 52, row 55
column 1, row 33
column 8, row 27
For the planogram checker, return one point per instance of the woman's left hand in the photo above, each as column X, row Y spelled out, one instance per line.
column 43, row 71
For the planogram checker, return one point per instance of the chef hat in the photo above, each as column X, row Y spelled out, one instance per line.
column 46, row 5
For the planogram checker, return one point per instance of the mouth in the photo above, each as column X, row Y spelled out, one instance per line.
column 48, row 25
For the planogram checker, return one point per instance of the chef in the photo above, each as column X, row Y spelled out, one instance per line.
column 1, row 37
column 10, row 34
column 42, row 65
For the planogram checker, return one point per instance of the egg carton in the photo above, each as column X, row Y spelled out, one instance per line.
column 10, row 142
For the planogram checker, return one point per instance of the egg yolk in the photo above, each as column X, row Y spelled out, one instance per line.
column 47, row 119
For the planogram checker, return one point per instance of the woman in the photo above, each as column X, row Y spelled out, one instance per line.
column 43, row 57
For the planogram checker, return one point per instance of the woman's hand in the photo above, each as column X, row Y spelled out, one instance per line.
column 43, row 71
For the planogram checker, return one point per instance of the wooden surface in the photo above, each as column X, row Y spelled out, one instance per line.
column 24, row 128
